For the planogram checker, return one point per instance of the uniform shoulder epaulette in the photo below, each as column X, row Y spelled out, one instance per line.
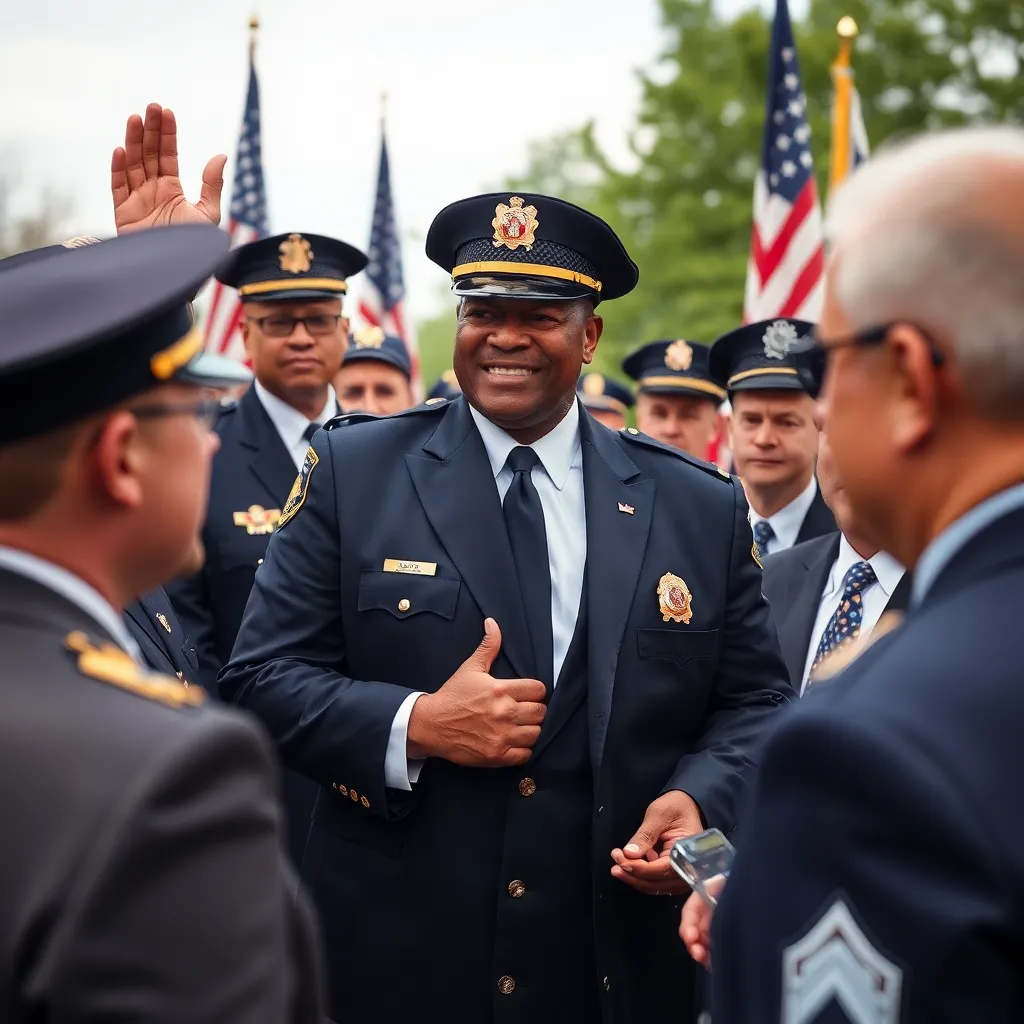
column 634, row 435
column 351, row 418
column 111, row 665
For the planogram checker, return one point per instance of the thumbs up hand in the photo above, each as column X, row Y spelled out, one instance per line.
column 475, row 719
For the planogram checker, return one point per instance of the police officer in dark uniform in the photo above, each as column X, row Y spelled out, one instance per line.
column 375, row 375
column 772, row 434
column 605, row 399
column 519, row 652
column 677, row 398
column 140, row 875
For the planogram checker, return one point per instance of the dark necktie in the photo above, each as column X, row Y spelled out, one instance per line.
column 524, row 520
column 763, row 533
column 307, row 434
column 845, row 624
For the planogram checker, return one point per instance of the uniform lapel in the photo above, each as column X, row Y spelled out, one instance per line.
column 818, row 521
column 270, row 462
column 803, row 598
column 616, row 541
column 456, row 488
column 144, row 626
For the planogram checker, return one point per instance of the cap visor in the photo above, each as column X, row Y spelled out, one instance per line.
column 769, row 382
column 212, row 371
column 680, row 390
column 294, row 295
column 521, row 287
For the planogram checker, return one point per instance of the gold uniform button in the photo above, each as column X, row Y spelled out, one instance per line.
column 516, row 888
column 260, row 562
column 632, row 430
column 506, row 984
column 364, row 801
column 353, row 795
column 527, row 787
column 343, row 790
column 404, row 605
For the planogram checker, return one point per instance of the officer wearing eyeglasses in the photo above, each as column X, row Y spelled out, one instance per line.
column 291, row 287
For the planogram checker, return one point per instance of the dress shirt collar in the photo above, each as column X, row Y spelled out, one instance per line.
column 940, row 552
column 72, row 588
column 556, row 450
column 787, row 521
column 289, row 422
column 887, row 570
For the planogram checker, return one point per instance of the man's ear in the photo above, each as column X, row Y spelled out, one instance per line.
column 118, row 459
column 594, row 329
column 914, row 384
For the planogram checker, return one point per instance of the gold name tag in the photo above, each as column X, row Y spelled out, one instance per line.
column 412, row 568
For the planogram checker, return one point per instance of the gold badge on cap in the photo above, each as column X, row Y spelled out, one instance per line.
column 257, row 520
column 369, row 337
column 296, row 254
column 674, row 599
column 678, row 356
column 593, row 384
column 162, row 619
column 514, row 225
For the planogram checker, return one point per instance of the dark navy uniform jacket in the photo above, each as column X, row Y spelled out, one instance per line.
column 882, row 868
column 252, row 468
column 160, row 636
column 818, row 521
column 331, row 646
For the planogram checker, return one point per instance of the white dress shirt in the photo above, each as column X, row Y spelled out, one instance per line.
column 888, row 573
column 74, row 589
column 558, row 479
column 787, row 521
column 291, row 424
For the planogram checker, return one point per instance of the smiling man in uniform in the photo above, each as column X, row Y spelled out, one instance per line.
column 516, row 673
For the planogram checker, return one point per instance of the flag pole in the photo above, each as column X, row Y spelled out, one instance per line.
column 254, row 28
column 842, row 81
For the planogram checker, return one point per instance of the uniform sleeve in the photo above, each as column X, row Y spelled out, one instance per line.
column 288, row 664
column 183, row 911
column 856, row 829
column 191, row 605
column 751, row 686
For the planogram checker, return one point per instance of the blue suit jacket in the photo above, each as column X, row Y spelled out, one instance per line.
column 166, row 650
column 325, row 656
column 889, row 802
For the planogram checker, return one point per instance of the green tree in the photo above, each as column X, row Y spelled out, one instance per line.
column 684, row 209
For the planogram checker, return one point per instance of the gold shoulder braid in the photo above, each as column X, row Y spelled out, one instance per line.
column 111, row 665
column 846, row 654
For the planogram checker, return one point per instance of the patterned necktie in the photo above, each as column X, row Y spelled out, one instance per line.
column 524, row 520
column 845, row 623
column 763, row 533
column 307, row 434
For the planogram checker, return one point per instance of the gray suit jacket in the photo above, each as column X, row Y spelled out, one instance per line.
column 141, row 876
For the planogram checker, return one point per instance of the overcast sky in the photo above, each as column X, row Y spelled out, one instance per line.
column 470, row 86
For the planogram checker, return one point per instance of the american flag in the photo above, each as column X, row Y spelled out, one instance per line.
column 382, row 295
column 787, row 258
column 247, row 222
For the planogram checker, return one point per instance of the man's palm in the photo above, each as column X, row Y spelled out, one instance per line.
column 144, row 178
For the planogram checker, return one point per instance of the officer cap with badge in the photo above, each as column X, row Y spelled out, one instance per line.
column 446, row 387
column 122, row 324
column 762, row 356
column 292, row 267
column 674, row 368
column 371, row 343
column 599, row 393
column 527, row 246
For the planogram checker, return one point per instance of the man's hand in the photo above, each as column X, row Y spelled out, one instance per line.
column 643, row 862
column 475, row 719
column 695, row 925
column 144, row 177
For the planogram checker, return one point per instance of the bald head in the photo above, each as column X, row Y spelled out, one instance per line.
column 932, row 232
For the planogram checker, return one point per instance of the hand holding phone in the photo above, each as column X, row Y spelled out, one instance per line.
column 703, row 861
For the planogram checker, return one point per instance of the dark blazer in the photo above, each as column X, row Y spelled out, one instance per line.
column 890, row 796
column 157, row 631
column 252, row 467
column 328, row 651
column 793, row 584
column 141, row 876
column 818, row 521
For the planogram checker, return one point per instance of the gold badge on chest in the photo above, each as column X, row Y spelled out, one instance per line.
column 257, row 519
column 674, row 599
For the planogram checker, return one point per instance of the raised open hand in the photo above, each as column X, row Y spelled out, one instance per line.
column 144, row 179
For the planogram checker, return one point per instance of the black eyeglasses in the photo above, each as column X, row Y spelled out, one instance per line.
column 208, row 412
column 280, row 326
column 811, row 358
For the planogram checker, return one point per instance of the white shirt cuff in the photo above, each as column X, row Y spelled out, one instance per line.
column 401, row 771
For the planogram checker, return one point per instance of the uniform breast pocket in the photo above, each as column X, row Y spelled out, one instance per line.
column 676, row 645
column 404, row 595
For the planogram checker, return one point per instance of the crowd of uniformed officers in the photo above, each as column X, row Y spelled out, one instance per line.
column 492, row 655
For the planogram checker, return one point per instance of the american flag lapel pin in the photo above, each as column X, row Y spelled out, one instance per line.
column 628, row 509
